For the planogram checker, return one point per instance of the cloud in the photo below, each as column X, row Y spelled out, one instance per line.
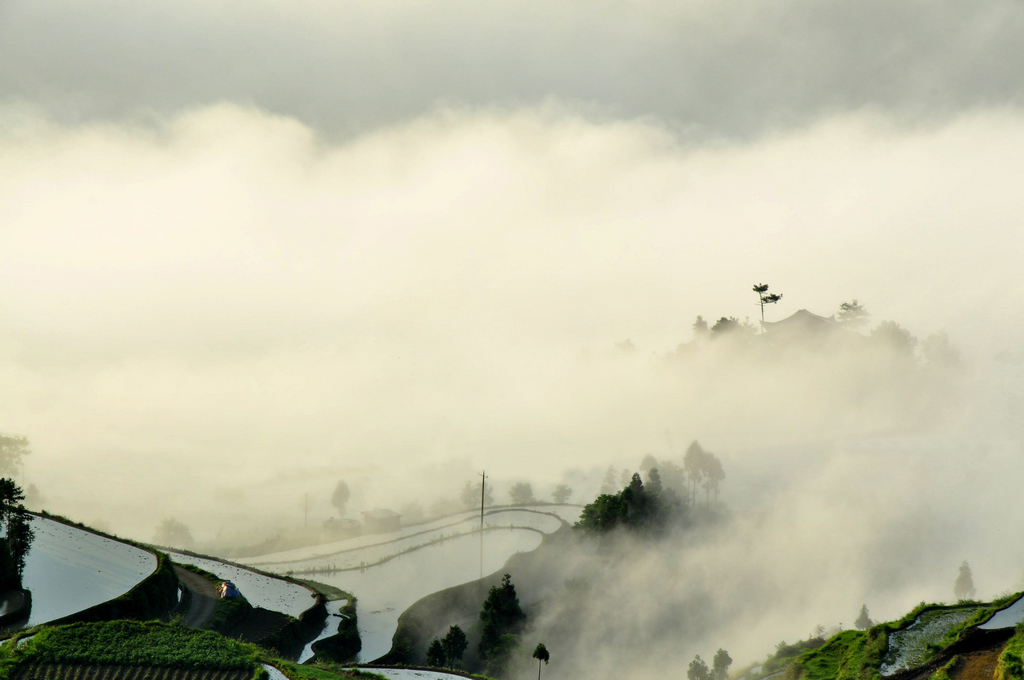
column 711, row 69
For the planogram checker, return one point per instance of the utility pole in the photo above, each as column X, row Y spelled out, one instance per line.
column 483, row 483
column 305, row 511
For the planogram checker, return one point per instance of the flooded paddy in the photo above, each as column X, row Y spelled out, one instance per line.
column 410, row 674
column 69, row 569
column 386, row 590
column 909, row 647
column 260, row 590
column 1006, row 618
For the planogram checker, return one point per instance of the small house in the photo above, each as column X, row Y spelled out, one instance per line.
column 381, row 521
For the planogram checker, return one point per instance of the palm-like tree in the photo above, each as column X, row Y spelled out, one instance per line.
column 541, row 654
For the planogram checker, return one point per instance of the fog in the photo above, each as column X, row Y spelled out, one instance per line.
column 229, row 278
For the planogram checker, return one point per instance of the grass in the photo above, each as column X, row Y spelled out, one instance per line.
column 1011, row 661
column 131, row 643
column 857, row 655
column 325, row 671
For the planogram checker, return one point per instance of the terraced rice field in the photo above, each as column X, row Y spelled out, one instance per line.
column 1006, row 618
column 434, row 557
column 411, row 674
column 909, row 647
column 366, row 551
column 271, row 593
column 53, row 671
column 70, row 569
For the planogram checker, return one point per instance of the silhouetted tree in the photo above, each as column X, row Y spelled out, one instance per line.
column 700, row 328
column 540, row 653
column 765, row 298
column 561, row 494
column 863, row 621
column 470, row 496
column 634, row 508
column 339, row 498
column 12, row 450
column 173, row 533
column 939, row 351
column 698, row 670
column 654, row 481
column 889, row 334
column 964, row 586
column 15, row 521
column 852, row 314
column 610, row 483
column 714, row 475
column 500, row 616
column 647, row 463
column 435, row 654
column 721, row 663
column 521, row 493
column 693, row 464
column 454, row 644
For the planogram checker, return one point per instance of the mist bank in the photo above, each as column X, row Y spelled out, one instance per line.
column 211, row 316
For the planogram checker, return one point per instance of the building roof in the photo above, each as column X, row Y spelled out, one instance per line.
column 380, row 514
column 803, row 320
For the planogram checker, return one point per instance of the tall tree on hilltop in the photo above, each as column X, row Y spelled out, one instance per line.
column 964, row 586
column 12, row 450
column 765, row 298
column 863, row 621
column 500, row 615
column 339, row 498
column 721, row 664
column 693, row 464
column 540, row 653
column 561, row 494
column 698, row 669
column 852, row 314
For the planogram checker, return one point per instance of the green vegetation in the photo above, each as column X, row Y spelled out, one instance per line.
column 132, row 643
column 447, row 653
column 784, row 654
column 639, row 509
column 500, row 619
column 1011, row 661
column 325, row 671
column 17, row 534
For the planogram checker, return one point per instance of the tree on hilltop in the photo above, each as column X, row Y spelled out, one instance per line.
column 521, row 493
column 12, row 450
column 963, row 589
column 863, row 621
column 540, row 653
column 561, row 494
column 852, row 314
column 339, row 498
column 698, row 669
column 721, row 664
column 765, row 298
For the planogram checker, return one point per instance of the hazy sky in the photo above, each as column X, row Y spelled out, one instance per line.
column 247, row 248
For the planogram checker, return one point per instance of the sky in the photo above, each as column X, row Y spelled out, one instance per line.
column 249, row 248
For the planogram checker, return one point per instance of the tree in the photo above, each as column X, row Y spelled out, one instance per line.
column 964, row 586
column 610, row 483
column 654, row 481
column 470, row 496
column 647, row 463
column 634, row 508
column 435, row 654
column 721, row 664
column 889, row 334
column 700, row 328
column 12, row 450
column 15, row 521
column 454, row 644
column 499, row 616
column 561, row 493
column 522, row 493
column 863, row 621
column 173, row 533
column 339, row 498
column 698, row 670
column 693, row 465
column 852, row 314
column 714, row 475
column 541, row 654
column 765, row 298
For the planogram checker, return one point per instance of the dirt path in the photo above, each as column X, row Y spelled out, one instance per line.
column 204, row 597
column 976, row 666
